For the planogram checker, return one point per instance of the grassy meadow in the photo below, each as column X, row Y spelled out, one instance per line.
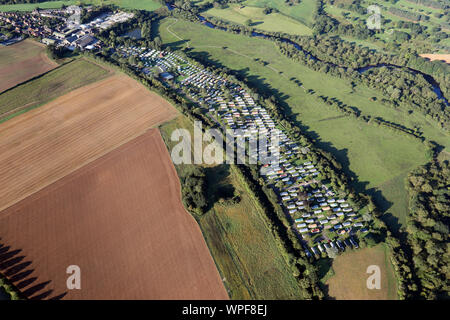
column 274, row 22
column 244, row 250
column 302, row 12
column 377, row 158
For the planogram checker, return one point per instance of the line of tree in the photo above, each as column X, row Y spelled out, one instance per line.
column 94, row 12
column 9, row 289
column 408, row 14
column 398, row 85
column 334, row 50
column 428, row 227
column 356, row 113
column 193, row 189
column 302, row 267
column 401, row 254
column 430, row 3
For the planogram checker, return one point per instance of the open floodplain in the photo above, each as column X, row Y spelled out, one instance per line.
column 22, row 61
column 121, row 220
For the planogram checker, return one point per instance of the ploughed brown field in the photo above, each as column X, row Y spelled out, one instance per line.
column 23, row 61
column 43, row 145
column 121, row 220
column 437, row 56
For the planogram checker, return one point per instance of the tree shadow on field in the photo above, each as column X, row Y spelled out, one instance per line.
column 218, row 186
column 177, row 44
column 256, row 23
column 42, row 296
column 395, row 224
column 15, row 269
column 11, row 262
column 25, row 283
column 5, row 254
column 21, row 276
column 324, row 265
column 326, row 291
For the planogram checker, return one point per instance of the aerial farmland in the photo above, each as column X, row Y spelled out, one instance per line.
column 23, row 61
column 81, row 140
column 121, row 220
column 73, row 130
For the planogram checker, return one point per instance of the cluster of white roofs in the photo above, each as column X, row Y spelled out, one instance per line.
column 105, row 20
column 152, row 58
column 312, row 211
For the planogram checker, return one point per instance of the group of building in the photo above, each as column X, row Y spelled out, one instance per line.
column 322, row 219
column 26, row 24
column 64, row 31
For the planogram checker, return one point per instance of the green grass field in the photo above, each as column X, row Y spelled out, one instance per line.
column 149, row 5
column 243, row 248
column 53, row 84
column 376, row 156
column 302, row 12
column 274, row 22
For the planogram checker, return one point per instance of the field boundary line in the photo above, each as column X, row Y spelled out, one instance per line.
column 36, row 77
column 6, row 114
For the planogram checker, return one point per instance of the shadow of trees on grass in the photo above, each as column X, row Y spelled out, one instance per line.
column 18, row 271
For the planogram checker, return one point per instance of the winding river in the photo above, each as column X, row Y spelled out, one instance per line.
column 427, row 77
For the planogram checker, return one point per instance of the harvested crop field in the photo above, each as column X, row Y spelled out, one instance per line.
column 441, row 57
column 23, row 61
column 43, row 145
column 53, row 84
column 349, row 281
column 121, row 220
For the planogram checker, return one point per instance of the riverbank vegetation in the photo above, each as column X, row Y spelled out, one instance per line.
column 428, row 227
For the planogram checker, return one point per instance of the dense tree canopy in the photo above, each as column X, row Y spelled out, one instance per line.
column 428, row 227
